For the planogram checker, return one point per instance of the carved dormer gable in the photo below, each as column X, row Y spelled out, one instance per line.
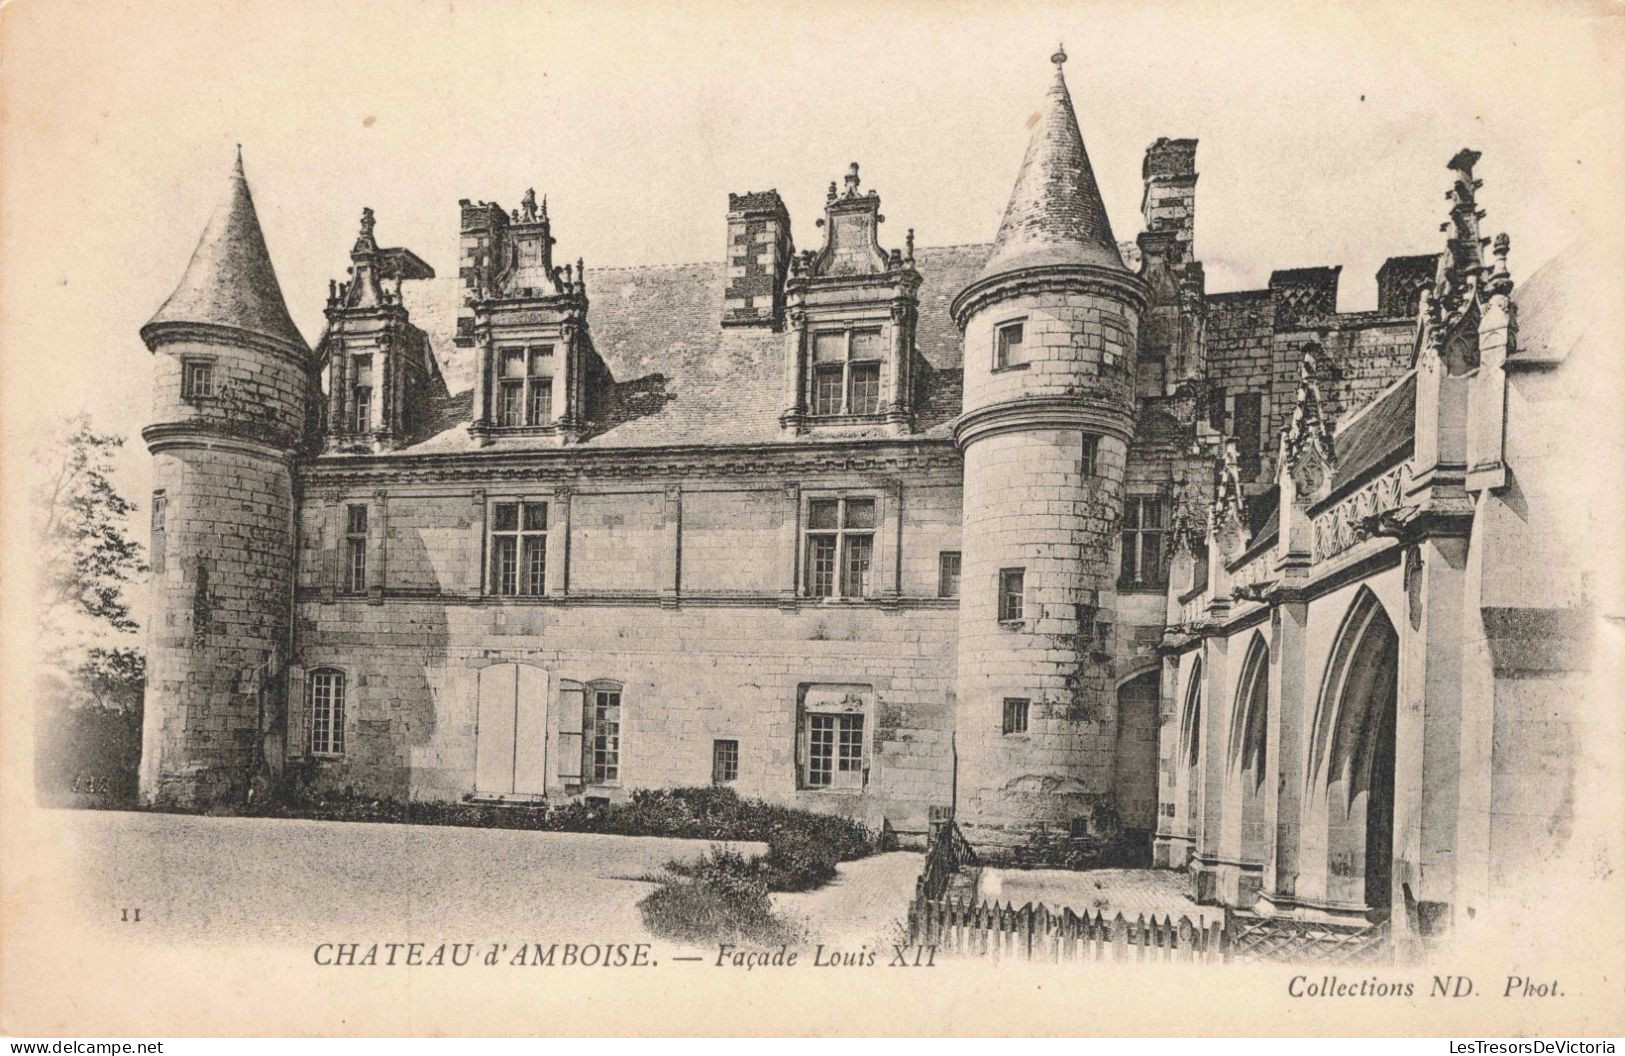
column 1229, row 511
column 852, row 307
column 375, row 361
column 1307, row 444
column 537, row 373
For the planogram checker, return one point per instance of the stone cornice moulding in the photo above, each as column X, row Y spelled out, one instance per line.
column 155, row 334
column 1042, row 412
column 213, row 436
column 1049, row 278
column 568, row 464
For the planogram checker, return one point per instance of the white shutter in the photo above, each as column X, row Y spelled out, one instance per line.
column 530, row 732
column 494, row 734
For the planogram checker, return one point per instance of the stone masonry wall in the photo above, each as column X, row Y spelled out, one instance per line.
column 724, row 654
column 689, row 676
column 220, row 609
column 1029, row 504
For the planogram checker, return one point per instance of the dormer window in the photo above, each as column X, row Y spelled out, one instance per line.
column 361, row 396
column 852, row 312
column 525, row 386
column 846, row 372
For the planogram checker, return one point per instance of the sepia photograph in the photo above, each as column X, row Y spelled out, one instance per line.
column 966, row 519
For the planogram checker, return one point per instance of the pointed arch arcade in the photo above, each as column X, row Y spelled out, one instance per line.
column 1351, row 759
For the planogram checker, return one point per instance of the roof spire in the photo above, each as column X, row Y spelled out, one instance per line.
column 230, row 282
column 1055, row 215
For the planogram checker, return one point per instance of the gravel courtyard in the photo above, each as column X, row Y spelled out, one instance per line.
column 278, row 882
column 221, row 879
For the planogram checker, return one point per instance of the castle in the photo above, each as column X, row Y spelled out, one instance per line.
column 1041, row 533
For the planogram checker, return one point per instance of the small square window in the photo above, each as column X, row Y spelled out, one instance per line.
column 1007, row 345
column 197, row 379
column 724, row 762
column 1015, row 714
column 1012, row 587
column 948, row 574
column 1091, row 452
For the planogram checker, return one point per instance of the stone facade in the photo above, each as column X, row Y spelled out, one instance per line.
column 1041, row 532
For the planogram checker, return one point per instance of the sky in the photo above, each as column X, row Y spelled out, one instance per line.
column 1324, row 130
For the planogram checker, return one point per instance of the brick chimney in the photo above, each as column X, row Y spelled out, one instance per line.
column 1169, row 202
column 758, row 262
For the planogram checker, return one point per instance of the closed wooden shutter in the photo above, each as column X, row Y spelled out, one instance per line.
column 572, row 703
column 530, row 732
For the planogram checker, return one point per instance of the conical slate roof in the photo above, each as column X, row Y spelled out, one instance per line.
column 1055, row 215
column 230, row 281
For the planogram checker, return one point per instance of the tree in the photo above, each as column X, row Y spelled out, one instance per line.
column 86, row 562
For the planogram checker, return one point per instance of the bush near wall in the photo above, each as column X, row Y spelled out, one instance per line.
column 806, row 841
column 87, row 756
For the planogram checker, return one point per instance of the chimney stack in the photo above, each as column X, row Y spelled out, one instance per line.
column 759, row 252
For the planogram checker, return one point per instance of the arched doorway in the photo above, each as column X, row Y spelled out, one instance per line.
column 1248, row 743
column 1135, row 761
column 1355, row 758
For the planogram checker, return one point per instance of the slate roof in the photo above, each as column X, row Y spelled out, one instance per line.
column 230, row 281
column 680, row 376
column 1565, row 304
column 1055, row 215
column 1377, row 436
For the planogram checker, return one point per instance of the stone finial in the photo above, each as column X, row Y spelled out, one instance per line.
column 527, row 207
column 833, row 193
column 1310, row 454
column 1059, row 58
column 237, row 169
column 1229, row 512
column 368, row 222
column 1499, row 283
column 852, row 181
column 908, row 243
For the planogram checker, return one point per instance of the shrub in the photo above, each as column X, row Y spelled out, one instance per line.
column 720, row 897
column 797, row 860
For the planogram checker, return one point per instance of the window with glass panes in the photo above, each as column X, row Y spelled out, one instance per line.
column 1091, row 452
column 355, row 545
column 846, row 371
column 197, row 378
column 948, row 574
column 1143, row 528
column 525, row 386
column 361, row 395
column 840, row 547
column 724, row 762
column 1015, row 714
column 834, row 750
column 601, row 736
column 1012, row 592
column 1008, row 344
column 326, row 709
column 519, row 548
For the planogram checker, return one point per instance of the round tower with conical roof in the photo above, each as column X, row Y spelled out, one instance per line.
column 231, row 385
column 1051, row 325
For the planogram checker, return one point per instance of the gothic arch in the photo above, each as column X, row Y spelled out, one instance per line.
column 1351, row 761
column 1247, row 757
column 1188, row 764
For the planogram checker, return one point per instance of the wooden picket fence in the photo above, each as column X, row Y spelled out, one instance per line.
column 1035, row 933
column 961, row 926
